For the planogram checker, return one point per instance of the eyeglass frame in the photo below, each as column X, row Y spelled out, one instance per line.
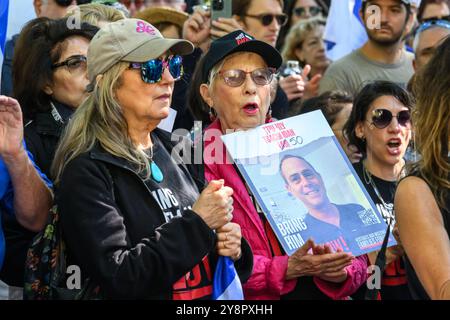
column 272, row 70
column 165, row 65
column 65, row 62
column 408, row 121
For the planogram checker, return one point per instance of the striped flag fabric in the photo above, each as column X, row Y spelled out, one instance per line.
column 4, row 6
column 344, row 30
column 226, row 283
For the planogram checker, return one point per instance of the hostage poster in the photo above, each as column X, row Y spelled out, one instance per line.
column 306, row 186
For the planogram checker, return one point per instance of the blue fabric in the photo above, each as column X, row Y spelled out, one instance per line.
column 226, row 283
column 4, row 4
column 7, row 197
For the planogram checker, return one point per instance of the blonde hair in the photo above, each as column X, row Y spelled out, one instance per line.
column 431, row 119
column 94, row 13
column 297, row 35
column 99, row 119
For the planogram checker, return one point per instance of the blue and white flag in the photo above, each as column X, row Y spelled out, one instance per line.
column 4, row 5
column 226, row 283
column 344, row 31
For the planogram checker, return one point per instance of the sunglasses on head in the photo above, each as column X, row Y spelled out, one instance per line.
column 152, row 70
column 266, row 19
column 302, row 11
column 236, row 77
column 431, row 19
column 381, row 118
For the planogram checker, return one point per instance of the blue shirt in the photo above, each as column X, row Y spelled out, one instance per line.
column 7, row 198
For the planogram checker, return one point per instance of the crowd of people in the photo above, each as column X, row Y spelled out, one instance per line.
column 81, row 136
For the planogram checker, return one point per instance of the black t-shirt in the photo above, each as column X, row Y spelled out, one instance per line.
column 394, row 283
column 351, row 226
column 176, row 193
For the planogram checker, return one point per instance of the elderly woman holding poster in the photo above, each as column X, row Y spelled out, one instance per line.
column 236, row 75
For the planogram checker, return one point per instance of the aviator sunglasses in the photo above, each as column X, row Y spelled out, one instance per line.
column 152, row 70
column 381, row 118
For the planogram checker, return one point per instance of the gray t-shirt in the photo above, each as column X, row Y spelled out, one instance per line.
column 353, row 71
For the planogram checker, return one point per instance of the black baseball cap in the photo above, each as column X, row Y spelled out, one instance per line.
column 239, row 41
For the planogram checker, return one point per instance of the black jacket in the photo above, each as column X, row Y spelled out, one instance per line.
column 42, row 135
column 115, row 230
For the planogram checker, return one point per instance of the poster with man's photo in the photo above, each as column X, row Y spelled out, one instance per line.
column 306, row 186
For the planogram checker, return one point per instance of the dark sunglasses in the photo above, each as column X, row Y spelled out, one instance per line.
column 152, row 70
column 313, row 11
column 267, row 19
column 236, row 77
column 64, row 3
column 381, row 118
column 72, row 63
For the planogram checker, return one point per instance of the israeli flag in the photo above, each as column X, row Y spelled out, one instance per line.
column 226, row 283
column 4, row 5
column 344, row 31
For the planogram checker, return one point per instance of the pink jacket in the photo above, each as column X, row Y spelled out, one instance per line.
column 268, row 277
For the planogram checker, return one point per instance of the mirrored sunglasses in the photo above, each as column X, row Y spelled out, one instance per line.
column 152, row 70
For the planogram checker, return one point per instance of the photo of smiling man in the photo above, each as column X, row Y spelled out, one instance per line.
column 341, row 223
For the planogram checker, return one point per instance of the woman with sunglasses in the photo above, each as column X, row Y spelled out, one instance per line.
column 132, row 215
column 50, row 81
column 380, row 127
column 236, row 74
column 422, row 200
column 301, row 10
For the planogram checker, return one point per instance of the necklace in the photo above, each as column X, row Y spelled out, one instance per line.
column 368, row 180
column 155, row 171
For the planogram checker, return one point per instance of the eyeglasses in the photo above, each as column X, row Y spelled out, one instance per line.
column 267, row 19
column 73, row 63
column 236, row 77
column 152, row 70
column 312, row 11
column 381, row 118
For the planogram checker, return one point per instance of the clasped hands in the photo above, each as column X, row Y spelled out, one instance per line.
column 320, row 261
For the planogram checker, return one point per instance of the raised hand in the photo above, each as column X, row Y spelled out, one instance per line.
column 11, row 128
column 223, row 26
column 294, row 85
column 197, row 28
